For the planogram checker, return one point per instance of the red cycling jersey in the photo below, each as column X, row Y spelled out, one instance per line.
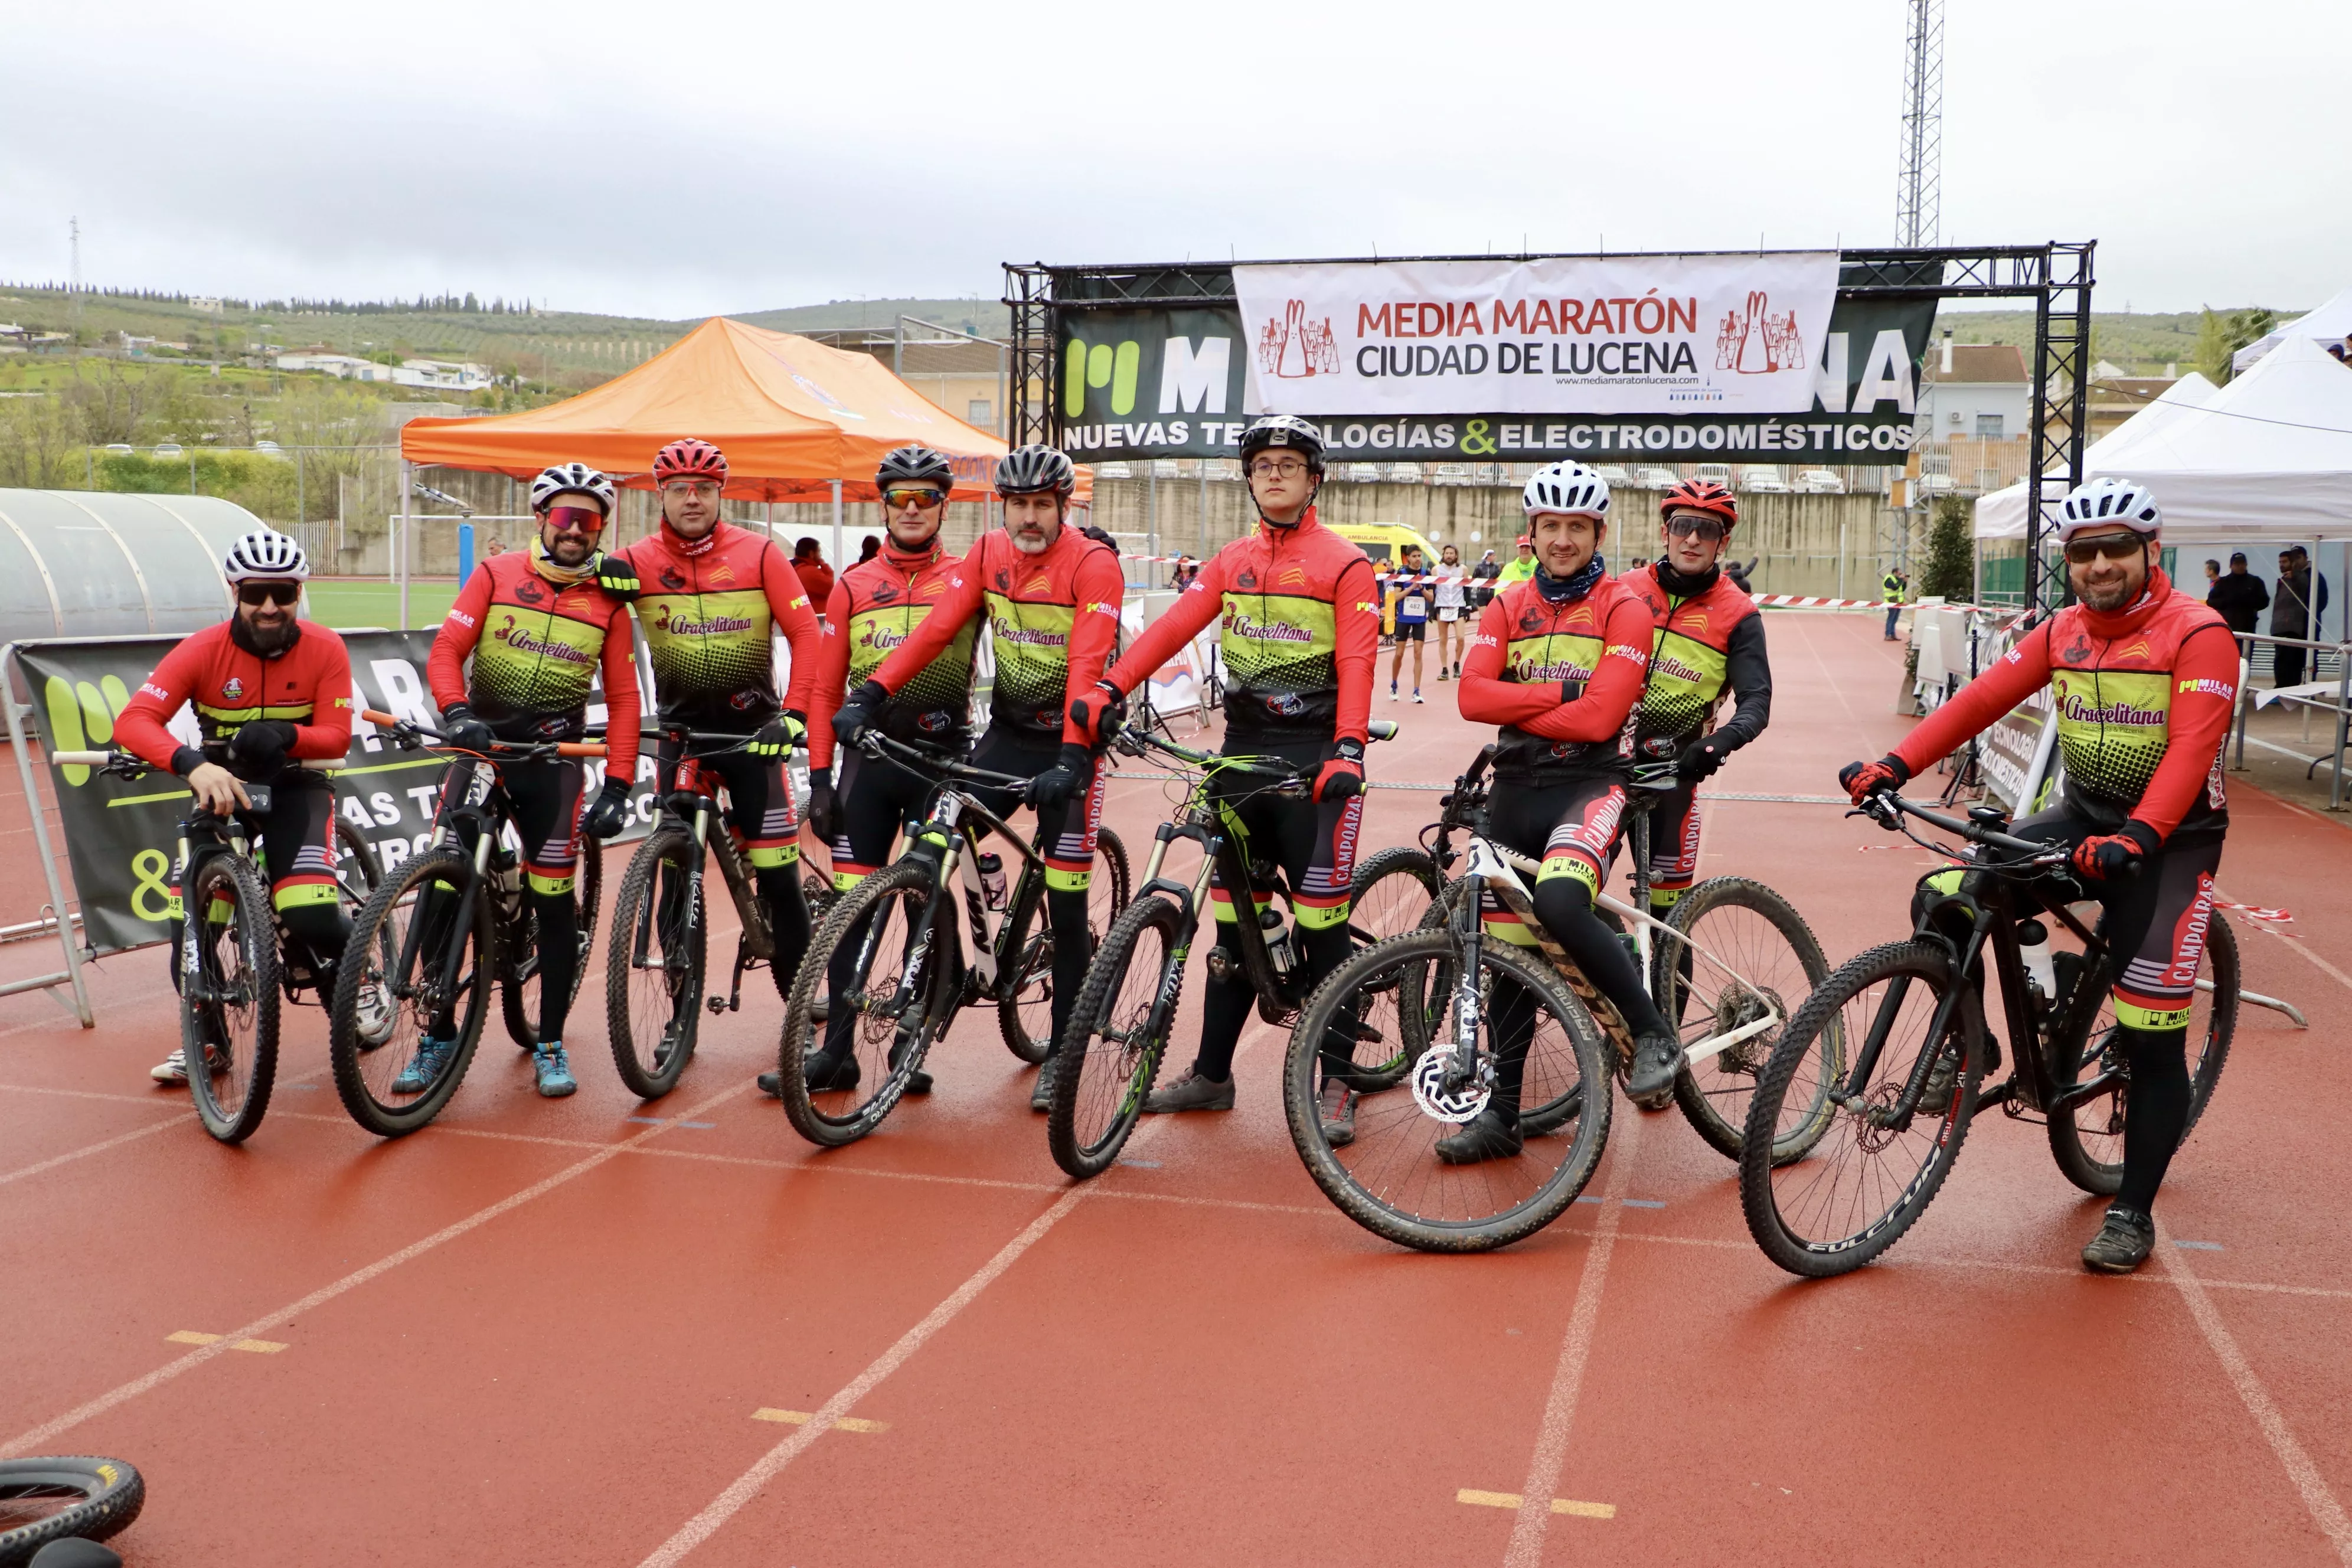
column 1300, row 633
column 2142, row 699
column 307, row 683
column 876, row 606
column 1053, row 618
column 707, row 606
column 536, row 643
column 1563, row 679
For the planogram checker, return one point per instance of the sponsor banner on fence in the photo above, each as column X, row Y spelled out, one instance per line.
column 1140, row 382
column 122, row 836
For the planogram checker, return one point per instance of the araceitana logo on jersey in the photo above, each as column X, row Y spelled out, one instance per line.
column 1237, row 624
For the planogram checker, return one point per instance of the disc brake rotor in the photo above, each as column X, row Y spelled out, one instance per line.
column 1459, row 1103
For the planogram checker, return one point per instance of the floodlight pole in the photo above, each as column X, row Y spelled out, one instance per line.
column 404, row 540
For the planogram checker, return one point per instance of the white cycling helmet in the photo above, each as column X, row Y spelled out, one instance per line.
column 266, row 552
column 1568, row 487
column 2108, row 500
column 572, row 479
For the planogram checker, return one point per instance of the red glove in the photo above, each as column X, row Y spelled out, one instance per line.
column 1863, row 780
column 1098, row 713
column 1343, row 775
column 2115, row 857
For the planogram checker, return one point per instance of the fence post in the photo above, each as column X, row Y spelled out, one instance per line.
column 2343, row 693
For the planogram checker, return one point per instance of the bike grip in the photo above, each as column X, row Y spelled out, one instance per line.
column 1383, row 729
column 580, row 749
column 81, row 759
column 384, row 719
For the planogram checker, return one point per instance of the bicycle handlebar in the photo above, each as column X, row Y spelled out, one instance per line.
column 1887, row 807
column 875, row 744
column 108, row 759
column 511, row 749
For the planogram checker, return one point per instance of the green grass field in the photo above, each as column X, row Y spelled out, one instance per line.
column 373, row 602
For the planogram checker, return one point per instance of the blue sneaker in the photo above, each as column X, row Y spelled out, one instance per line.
column 554, row 1070
column 432, row 1054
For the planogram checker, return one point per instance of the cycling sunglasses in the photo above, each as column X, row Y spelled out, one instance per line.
column 586, row 519
column 1705, row 529
column 269, row 592
column 920, row 496
column 2113, row 546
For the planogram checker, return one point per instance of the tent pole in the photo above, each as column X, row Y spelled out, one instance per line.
column 838, row 557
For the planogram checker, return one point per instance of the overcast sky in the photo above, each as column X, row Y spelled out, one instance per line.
column 683, row 158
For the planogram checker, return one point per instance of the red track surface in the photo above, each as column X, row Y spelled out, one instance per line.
column 537, row 1333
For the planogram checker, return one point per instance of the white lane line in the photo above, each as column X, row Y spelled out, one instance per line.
column 2326, row 1512
column 1526, row 1550
column 746, row 1487
column 116, row 1142
column 40, row 1435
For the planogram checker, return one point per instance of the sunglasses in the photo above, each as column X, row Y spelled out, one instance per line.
column 920, row 496
column 269, row 592
column 1705, row 529
column 2113, row 546
column 701, row 489
column 586, row 519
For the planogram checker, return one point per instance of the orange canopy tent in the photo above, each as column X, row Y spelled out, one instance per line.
column 793, row 416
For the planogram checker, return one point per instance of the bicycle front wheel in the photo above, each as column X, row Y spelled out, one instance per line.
column 1421, row 1168
column 1395, row 891
column 1760, row 937
column 1025, row 1010
column 399, row 1056
column 2087, row 1138
column 653, row 970
column 1112, row 1051
column 521, row 992
column 1867, row 1173
column 45, row 1499
column 898, row 1000
column 228, row 996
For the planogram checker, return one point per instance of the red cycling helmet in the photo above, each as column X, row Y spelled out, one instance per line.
column 1701, row 495
column 689, row 458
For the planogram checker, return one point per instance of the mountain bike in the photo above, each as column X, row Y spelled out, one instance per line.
column 1117, row 1032
column 49, row 1500
column 433, row 936
column 912, row 975
column 1463, row 1020
column 231, row 966
column 1887, row 1054
column 1766, row 957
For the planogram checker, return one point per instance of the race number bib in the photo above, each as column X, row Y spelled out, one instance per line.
column 1413, row 607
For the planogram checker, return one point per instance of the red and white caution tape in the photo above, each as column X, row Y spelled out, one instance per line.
column 2253, row 911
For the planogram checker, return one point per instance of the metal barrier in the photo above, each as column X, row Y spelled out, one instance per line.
column 2341, row 707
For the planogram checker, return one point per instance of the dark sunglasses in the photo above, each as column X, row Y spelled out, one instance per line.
column 2113, row 546
column 1705, row 529
column 269, row 592
column 921, row 496
column 586, row 519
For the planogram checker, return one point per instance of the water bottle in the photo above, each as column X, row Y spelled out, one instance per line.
column 992, row 880
column 2033, row 952
column 1277, row 942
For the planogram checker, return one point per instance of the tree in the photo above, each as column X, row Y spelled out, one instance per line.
column 2221, row 335
column 1950, row 571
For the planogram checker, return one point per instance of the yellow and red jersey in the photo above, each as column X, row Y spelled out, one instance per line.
column 1563, row 679
column 537, row 645
column 876, row 607
column 308, row 684
column 1706, row 637
column 708, row 607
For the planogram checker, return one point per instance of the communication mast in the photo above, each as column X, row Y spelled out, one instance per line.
column 73, row 286
column 1918, row 192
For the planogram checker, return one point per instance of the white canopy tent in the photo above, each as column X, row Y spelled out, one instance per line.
column 2002, row 513
column 2331, row 323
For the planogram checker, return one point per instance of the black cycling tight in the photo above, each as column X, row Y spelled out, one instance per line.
column 2155, row 1110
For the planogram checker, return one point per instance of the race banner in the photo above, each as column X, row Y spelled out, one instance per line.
column 122, row 837
column 1141, row 383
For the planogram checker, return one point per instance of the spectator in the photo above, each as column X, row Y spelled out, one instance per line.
column 2212, row 575
column 815, row 574
column 1521, row 570
column 1483, row 577
column 2240, row 598
column 870, row 549
column 2294, row 614
column 1185, row 571
column 1739, row 574
column 1895, row 588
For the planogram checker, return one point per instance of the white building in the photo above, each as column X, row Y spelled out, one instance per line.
column 443, row 375
column 1975, row 392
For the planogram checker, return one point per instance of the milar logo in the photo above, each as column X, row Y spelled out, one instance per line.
column 1192, row 380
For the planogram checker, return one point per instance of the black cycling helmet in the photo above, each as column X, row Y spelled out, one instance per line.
column 914, row 465
column 1035, row 470
column 1285, row 431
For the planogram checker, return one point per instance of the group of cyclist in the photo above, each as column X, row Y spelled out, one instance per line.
column 1591, row 676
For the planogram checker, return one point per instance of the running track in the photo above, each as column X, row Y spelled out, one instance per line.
column 545, row 1332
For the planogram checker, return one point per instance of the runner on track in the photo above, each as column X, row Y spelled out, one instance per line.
column 2144, row 677
column 1451, row 580
column 1413, row 585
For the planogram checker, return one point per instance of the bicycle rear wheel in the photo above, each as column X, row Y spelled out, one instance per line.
column 2088, row 1139
column 1393, row 1178
column 1758, row 935
column 899, row 1002
column 1863, row 1179
column 1024, row 1012
column 1111, row 1053
column 386, row 1077
column 228, row 996
column 653, row 966
column 519, row 990
column 48, row 1499
column 1394, row 892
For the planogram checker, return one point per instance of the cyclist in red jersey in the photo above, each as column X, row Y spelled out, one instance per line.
column 711, row 597
column 538, row 629
column 268, row 689
column 1559, row 661
column 1052, row 598
column 876, row 607
column 2144, row 677
column 1300, row 626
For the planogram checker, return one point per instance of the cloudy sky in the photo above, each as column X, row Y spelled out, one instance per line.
column 690, row 158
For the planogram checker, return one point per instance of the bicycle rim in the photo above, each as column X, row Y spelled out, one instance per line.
column 1862, row 1179
column 411, row 919
column 1026, row 1013
column 1755, row 933
column 47, row 1500
column 893, row 1004
column 654, row 964
column 228, row 1011
column 1111, row 1056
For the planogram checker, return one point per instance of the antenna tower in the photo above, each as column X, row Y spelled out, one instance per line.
column 1918, row 193
column 73, row 286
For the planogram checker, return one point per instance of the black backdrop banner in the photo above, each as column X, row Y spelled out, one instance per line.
column 1139, row 382
column 122, row 837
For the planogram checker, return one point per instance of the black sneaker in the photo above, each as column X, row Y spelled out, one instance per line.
column 1041, row 1093
column 824, row 1074
column 1657, row 1058
column 771, row 1085
column 2123, row 1243
column 1336, row 1107
column 1191, row 1092
column 1489, row 1135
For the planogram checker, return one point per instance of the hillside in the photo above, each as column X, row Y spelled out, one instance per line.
column 2143, row 342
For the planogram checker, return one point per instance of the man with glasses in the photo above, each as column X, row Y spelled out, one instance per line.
column 538, row 628
column 268, row 689
column 1300, row 621
column 1709, row 636
column 711, row 597
column 2144, row 677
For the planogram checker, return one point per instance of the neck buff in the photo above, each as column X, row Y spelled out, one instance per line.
column 1683, row 585
column 561, row 575
column 1558, row 591
column 686, row 546
column 909, row 560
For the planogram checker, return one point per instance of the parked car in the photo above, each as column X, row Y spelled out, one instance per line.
column 171, row 449
column 1658, row 479
column 271, row 448
column 125, row 447
column 1405, row 473
column 1937, row 484
column 1451, row 474
column 1164, row 468
column 1361, row 473
column 1719, row 472
column 1114, row 471
column 1759, row 479
column 1821, row 482
column 1615, row 477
